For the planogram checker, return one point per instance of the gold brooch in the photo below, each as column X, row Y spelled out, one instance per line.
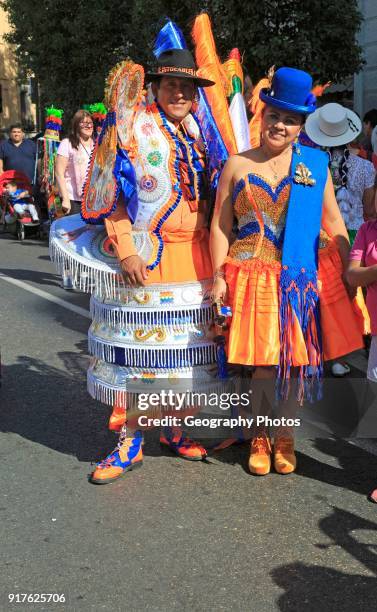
column 303, row 175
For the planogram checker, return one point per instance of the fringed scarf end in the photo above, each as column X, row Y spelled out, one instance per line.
column 299, row 304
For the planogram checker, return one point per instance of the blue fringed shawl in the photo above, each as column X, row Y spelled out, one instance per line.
column 299, row 300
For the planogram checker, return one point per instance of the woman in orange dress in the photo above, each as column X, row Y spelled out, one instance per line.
column 285, row 291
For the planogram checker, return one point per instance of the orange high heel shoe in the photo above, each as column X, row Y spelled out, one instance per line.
column 284, row 456
column 260, row 455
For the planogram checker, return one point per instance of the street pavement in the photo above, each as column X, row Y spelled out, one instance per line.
column 174, row 535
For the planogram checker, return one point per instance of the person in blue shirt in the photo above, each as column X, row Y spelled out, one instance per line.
column 19, row 200
column 18, row 153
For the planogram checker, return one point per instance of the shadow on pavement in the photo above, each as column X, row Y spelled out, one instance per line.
column 51, row 407
column 356, row 470
column 42, row 278
column 311, row 587
column 29, row 241
column 45, row 405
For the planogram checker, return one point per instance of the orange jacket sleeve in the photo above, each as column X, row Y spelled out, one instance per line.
column 118, row 227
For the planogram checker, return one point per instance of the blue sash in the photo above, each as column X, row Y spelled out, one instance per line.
column 299, row 300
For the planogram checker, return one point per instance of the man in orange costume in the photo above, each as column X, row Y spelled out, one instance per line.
column 173, row 213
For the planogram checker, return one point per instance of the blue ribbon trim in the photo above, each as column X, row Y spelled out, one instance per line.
column 124, row 174
column 216, row 151
column 254, row 179
column 176, row 187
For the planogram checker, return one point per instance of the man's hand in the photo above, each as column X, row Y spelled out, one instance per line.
column 66, row 206
column 134, row 270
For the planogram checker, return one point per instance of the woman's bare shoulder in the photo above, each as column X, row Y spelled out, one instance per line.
column 239, row 160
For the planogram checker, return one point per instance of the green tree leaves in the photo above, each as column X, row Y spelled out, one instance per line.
column 71, row 46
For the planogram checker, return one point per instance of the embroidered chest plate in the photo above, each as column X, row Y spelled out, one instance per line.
column 152, row 170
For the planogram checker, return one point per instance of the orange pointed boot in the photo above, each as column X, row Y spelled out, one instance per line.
column 127, row 456
column 260, row 455
column 284, row 455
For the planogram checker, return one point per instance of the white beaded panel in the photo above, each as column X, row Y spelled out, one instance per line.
column 151, row 167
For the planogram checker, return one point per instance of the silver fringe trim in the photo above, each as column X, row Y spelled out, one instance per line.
column 150, row 357
column 105, row 393
column 123, row 317
column 86, row 278
column 111, row 395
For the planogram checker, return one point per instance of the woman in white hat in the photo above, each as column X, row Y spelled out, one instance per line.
column 335, row 127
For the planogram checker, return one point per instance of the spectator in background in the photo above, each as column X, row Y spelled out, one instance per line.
column 71, row 166
column 18, row 153
column 72, row 161
column 369, row 125
column 362, row 272
column 335, row 127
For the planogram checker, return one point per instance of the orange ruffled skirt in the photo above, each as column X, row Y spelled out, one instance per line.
column 254, row 335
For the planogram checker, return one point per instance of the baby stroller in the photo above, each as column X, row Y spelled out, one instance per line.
column 17, row 224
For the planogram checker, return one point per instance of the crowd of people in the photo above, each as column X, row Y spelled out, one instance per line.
column 282, row 233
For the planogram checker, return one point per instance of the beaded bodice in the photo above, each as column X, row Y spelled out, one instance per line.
column 261, row 210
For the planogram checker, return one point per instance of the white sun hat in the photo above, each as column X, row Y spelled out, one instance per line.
column 333, row 125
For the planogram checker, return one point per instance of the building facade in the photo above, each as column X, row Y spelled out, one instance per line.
column 365, row 82
column 15, row 99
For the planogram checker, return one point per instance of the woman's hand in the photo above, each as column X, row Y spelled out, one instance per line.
column 219, row 290
column 352, row 291
column 66, row 206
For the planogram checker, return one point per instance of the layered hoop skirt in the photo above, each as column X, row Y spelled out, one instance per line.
column 148, row 338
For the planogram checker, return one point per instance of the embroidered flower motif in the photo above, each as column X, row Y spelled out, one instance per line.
column 148, row 183
column 303, row 176
column 147, row 128
column 155, row 158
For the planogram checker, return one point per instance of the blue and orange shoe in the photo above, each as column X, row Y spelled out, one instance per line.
column 127, row 456
column 181, row 445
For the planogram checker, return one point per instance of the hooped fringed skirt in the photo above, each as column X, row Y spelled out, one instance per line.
column 141, row 339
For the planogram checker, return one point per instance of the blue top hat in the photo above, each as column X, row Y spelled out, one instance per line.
column 290, row 90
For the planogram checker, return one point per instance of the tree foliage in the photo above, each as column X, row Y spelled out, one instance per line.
column 71, row 46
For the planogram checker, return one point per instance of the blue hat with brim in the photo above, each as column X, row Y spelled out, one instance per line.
column 290, row 90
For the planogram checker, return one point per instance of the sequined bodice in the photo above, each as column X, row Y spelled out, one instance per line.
column 261, row 218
